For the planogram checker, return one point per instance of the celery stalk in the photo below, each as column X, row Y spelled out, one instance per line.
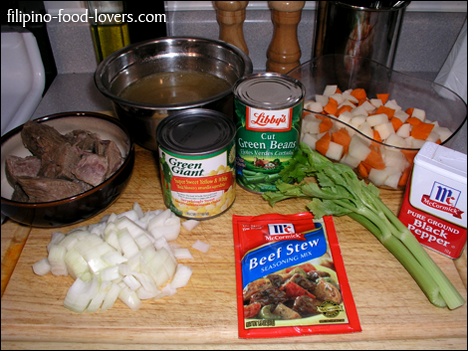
column 337, row 191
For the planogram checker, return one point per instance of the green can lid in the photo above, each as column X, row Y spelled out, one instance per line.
column 270, row 91
column 195, row 132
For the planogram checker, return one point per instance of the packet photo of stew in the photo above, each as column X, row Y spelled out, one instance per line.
column 290, row 277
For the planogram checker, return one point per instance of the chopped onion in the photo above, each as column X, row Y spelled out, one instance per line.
column 125, row 256
column 55, row 238
column 138, row 210
column 166, row 291
column 109, row 274
column 128, row 245
column 132, row 215
column 182, row 254
column 114, row 258
column 111, row 297
column 132, row 282
column 76, row 264
column 181, row 277
column 41, row 267
column 201, row 246
column 190, row 224
column 130, row 298
column 57, row 260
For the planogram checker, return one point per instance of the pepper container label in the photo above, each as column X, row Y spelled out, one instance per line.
column 434, row 206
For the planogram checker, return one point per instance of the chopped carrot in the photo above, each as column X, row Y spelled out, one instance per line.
column 343, row 109
column 383, row 97
column 409, row 111
column 377, row 136
column 321, row 117
column 323, row 143
column 325, row 125
column 338, row 91
column 386, row 110
column 422, row 130
column 404, row 177
column 438, row 141
column 361, row 101
column 374, row 159
column 396, row 122
column 363, row 171
column 359, row 93
column 410, row 155
column 331, row 107
column 342, row 137
column 413, row 121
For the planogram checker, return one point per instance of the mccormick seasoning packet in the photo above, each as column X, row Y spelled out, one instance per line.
column 290, row 277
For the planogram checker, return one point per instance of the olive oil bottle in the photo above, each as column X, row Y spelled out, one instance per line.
column 109, row 31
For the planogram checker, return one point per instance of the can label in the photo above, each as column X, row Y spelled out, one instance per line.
column 198, row 187
column 266, row 141
column 428, row 226
column 434, row 205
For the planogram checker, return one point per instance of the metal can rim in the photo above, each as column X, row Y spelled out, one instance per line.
column 165, row 135
column 240, row 95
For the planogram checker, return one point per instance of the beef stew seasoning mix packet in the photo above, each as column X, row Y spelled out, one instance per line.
column 290, row 277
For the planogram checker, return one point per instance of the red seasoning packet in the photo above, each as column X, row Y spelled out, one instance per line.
column 290, row 277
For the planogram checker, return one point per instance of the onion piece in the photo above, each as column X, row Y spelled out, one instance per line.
column 201, row 246
column 190, row 224
column 181, row 277
column 80, row 295
column 76, row 264
column 182, row 254
column 57, row 260
column 41, row 267
column 111, row 297
column 114, row 258
column 110, row 274
column 130, row 298
column 128, row 245
column 138, row 210
column 55, row 238
column 166, row 291
column 132, row 282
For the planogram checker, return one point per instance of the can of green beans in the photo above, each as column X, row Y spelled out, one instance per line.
column 268, row 115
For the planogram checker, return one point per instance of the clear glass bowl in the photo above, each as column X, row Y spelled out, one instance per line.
column 386, row 162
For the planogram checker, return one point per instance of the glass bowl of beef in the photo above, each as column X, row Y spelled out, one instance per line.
column 64, row 168
column 374, row 119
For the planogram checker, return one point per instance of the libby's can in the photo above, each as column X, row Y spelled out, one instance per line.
column 268, row 116
column 197, row 162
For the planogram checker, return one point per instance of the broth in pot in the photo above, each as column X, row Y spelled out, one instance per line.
column 172, row 88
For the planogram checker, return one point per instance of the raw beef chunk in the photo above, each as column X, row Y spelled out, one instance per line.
column 62, row 165
column 91, row 169
column 41, row 189
column 41, row 139
column 21, row 167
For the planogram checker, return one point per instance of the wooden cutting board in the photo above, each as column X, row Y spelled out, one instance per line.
column 393, row 311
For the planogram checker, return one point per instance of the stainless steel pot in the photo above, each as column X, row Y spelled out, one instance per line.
column 171, row 54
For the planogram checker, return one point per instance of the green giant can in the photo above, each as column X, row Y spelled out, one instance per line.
column 268, row 115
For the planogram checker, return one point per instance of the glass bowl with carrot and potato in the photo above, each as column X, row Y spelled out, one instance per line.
column 372, row 118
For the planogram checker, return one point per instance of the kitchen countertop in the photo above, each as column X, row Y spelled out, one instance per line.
column 393, row 311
